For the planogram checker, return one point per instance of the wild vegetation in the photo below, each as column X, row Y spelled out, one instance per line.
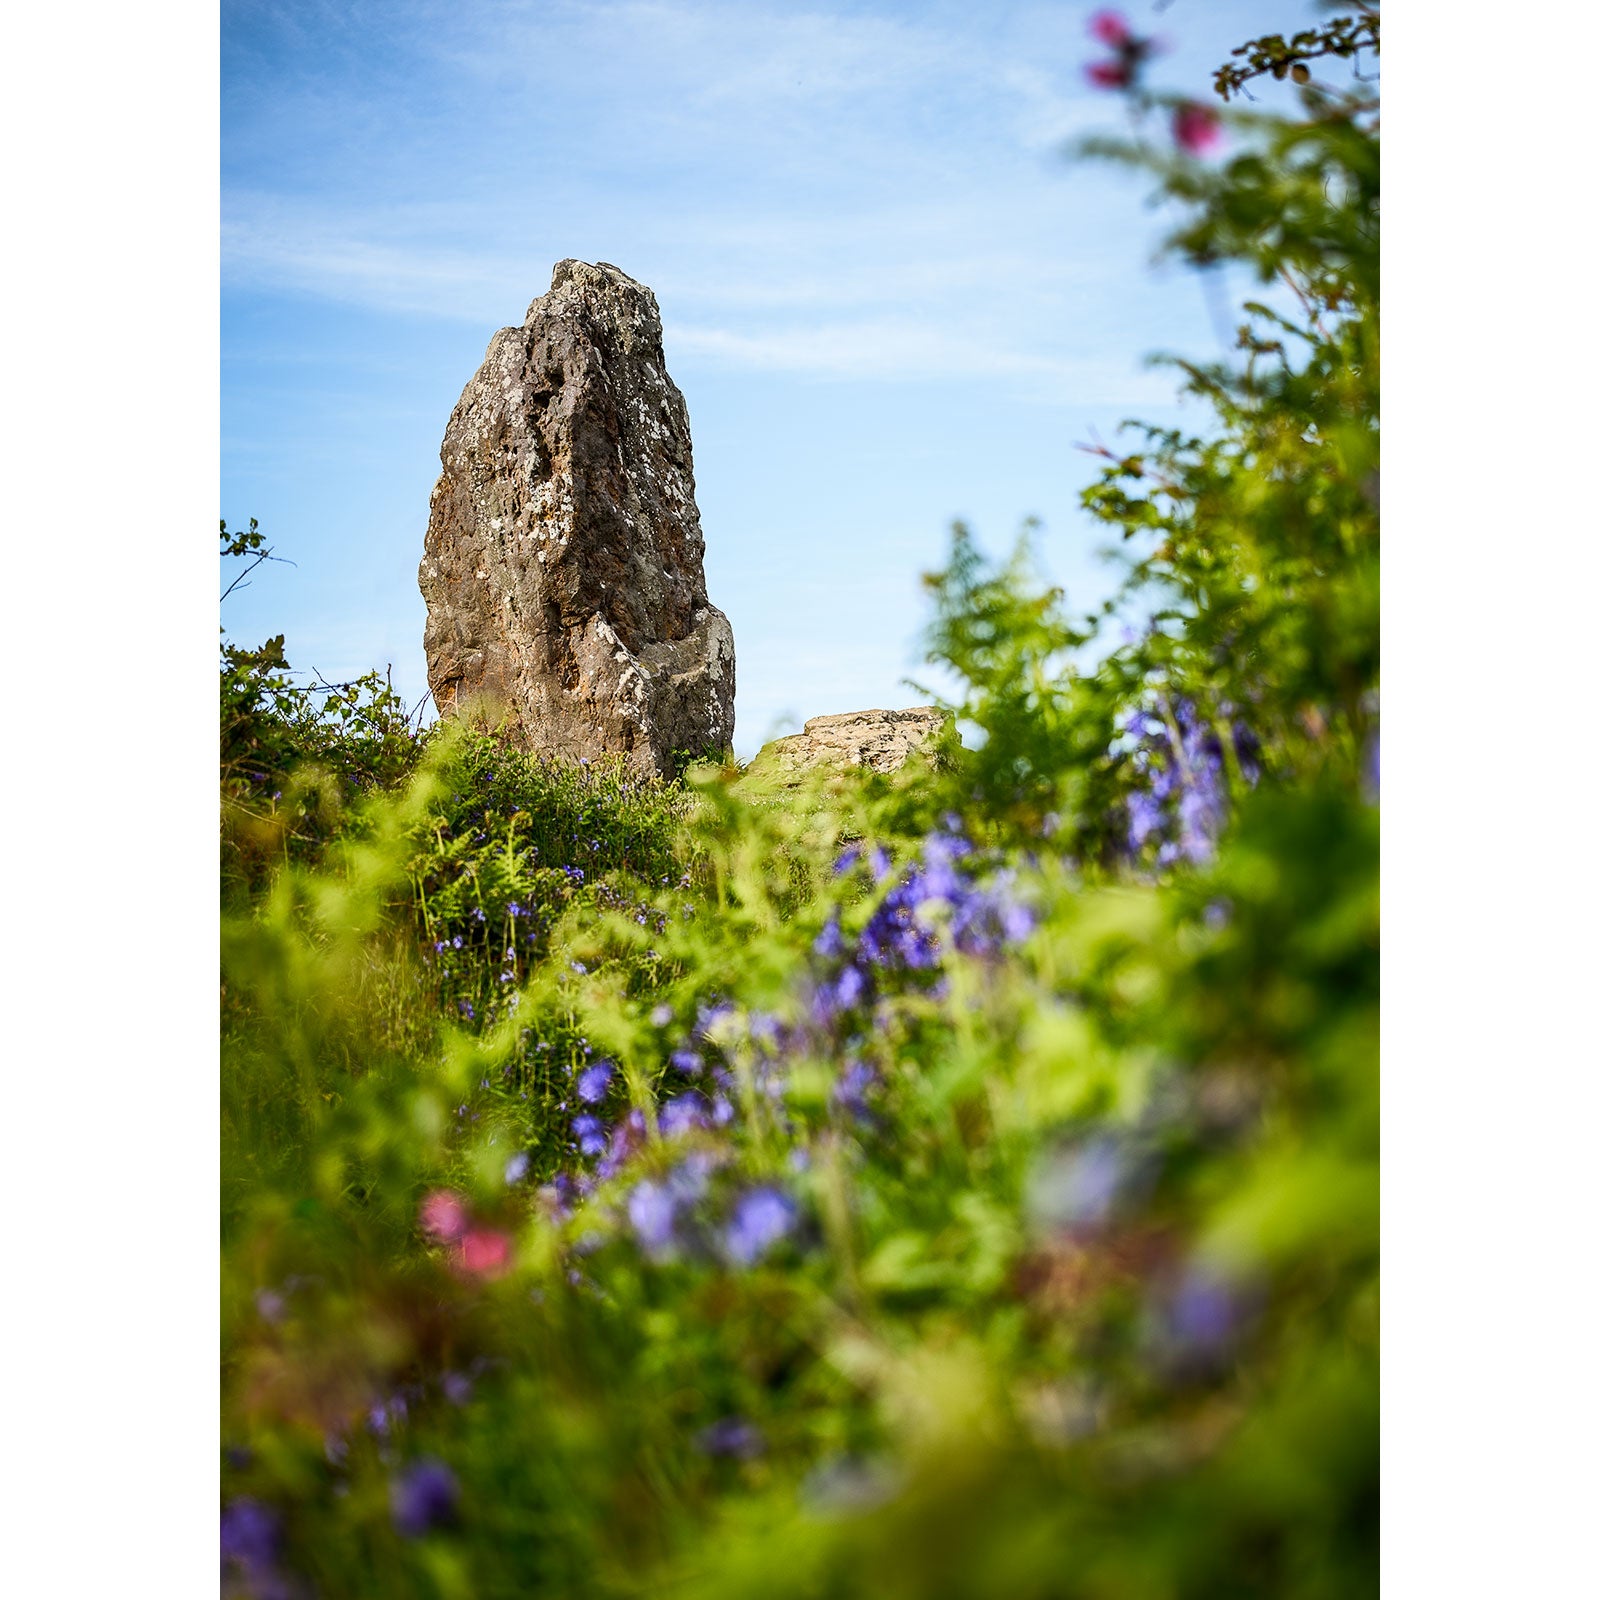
column 962, row 1184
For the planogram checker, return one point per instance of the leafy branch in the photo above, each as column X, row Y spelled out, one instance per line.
column 247, row 542
column 1344, row 38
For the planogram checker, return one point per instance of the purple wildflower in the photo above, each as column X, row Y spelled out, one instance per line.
column 386, row 1415
column 593, row 1082
column 1080, row 1188
column 710, row 1016
column 590, row 1133
column 1203, row 1312
column 683, row 1112
column 850, row 1092
column 761, row 1218
column 829, row 944
column 1144, row 819
column 423, row 1497
column 843, row 994
column 731, row 1436
column 690, row 1180
column 249, row 1535
column 652, row 1211
column 626, row 1137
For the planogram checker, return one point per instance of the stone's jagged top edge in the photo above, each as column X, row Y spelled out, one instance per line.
column 892, row 714
column 593, row 275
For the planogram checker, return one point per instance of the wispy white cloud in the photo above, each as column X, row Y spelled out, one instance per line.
column 776, row 160
column 875, row 348
column 380, row 258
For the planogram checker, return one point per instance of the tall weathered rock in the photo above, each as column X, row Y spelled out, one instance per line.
column 563, row 568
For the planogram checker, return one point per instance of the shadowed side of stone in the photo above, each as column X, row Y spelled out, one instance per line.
column 563, row 567
column 880, row 740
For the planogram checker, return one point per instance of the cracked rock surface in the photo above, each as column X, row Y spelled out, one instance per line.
column 564, row 567
column 882, row 740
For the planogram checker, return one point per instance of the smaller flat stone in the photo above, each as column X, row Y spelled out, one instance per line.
column 880, row 740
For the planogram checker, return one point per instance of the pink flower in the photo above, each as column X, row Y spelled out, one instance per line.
column 444, row 1216
column 1197, row 128
column 484, row 1253
column 1109, row 74
column 1110, row 28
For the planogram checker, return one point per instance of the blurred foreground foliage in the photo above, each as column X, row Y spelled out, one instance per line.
column 956, row 1185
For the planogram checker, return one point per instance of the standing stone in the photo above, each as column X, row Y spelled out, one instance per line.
column 563, row 568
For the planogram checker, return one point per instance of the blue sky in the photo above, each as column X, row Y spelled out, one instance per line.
column 889, row 299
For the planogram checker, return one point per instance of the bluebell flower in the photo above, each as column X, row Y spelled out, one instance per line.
column 386, row 1415
column 710, row 1017
column 590, row 1133
column 1080, row 1187
column 1144, row 819
column 843, row 993
column 652, row 1210
column 761, row 1218
column 1203, row 1314
column 683, row 1112
column 1016, row 920
column 938, row 878
column 850, row 1092
column 661, row 1015
column 561, row 1194
column 626, row 1137
column 423, row 1497
column 517, row 1168
column 687, row 1060
column 249, row 1534
column 593, row 1082
column 829, row 944
column 690, row 1180
column 731, row 1436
